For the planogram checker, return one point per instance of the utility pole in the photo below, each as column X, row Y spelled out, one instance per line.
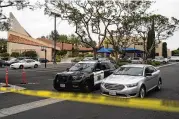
column 55, row 40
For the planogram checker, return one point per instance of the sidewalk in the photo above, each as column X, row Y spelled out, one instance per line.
column 11, row 87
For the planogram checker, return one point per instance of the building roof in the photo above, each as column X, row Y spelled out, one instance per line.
column 20, row 40
column 85, row 49
column 16, row 26
column 49, row 43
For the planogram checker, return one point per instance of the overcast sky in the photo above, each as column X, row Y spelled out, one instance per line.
column 37, row 24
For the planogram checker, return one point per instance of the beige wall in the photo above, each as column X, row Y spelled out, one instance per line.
column 15, row 46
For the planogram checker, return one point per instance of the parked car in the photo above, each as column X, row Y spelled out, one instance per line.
column 27, row 63
column 11, row 61
column 2, row 63
column 161, row 59
column 133, row 80
column 174, row 59
column 43, row 60
column 83, row 76
column 137, row 60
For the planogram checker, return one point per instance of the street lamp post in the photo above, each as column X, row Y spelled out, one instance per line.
column 55, row 38
column 43, row 48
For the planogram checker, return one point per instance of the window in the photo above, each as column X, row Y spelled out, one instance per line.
column 131, row 71
column 149, row 70
column 103, row 66
column 152, row 69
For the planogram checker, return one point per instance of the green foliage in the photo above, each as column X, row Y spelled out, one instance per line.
column 19, row 4
column 58, row 58
column 31, row 54
column 164, row 50
column 89, row 55
column 151, row 42
column 62, row 52
column 5, row 56
column 77, row 59
column 154, row 63
column 15, row 54
column 75, row 52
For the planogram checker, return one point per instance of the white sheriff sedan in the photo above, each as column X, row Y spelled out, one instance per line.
column 27, row 63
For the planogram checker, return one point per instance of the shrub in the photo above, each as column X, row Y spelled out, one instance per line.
column 89, row 55
column 81, row 55
column 15, row 54
column 58, row 58
column 154, row 63
column 62, row 52
column 31, row 54
column 5, row 56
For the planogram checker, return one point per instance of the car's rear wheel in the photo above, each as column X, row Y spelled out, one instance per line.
column 159, row 85
column 35, row 66
column 142, row 92
column 21, row 67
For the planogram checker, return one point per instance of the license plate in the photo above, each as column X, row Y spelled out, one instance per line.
column 62, row 85
column 112, row 93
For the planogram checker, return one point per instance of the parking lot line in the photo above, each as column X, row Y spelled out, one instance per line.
column 25, row 107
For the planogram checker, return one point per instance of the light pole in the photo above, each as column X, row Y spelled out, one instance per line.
column 43, row 48
column 55, row 35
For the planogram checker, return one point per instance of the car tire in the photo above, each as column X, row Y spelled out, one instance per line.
column 164, row 62
column 87, row 87
column 35, row 66
column 158, row 88
column 21, row 67
column 57, row 87
column 142, row 92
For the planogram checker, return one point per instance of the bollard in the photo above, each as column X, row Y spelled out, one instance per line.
column 6, row 78
column 24, row 81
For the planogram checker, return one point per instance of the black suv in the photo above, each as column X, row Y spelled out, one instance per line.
column 84, row 75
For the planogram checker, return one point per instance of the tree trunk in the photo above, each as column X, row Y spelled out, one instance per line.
column 95, row 53
column 116, row 55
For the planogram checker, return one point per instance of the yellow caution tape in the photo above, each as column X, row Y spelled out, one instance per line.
column 149, row 104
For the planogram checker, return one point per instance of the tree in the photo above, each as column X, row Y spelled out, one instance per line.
column 19, row 4
column 122, row 36
column 151, row 41
column 3, row 45
column 164, row 50
column 163, row 27
column 84, row 16
column 31, row 54
column 15, row 54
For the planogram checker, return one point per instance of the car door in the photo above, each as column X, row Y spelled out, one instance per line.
column 149, row 79
column 155, row 76
column 29, row 63
column 98, row 74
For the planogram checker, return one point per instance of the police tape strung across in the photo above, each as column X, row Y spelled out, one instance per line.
column 149, row 104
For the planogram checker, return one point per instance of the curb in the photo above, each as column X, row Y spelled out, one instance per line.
column 167, row 65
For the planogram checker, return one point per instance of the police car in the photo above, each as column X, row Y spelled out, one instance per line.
column 84, row 75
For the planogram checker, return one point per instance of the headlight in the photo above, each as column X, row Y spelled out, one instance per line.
column 132, row 85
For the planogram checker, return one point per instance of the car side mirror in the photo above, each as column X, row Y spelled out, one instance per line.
column 67, row 69
column 148, row 74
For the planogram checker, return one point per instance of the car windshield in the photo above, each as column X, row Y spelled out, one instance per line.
column 86, row 67
column 132, row 71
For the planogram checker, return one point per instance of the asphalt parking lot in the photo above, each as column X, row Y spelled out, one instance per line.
column 41, row 79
